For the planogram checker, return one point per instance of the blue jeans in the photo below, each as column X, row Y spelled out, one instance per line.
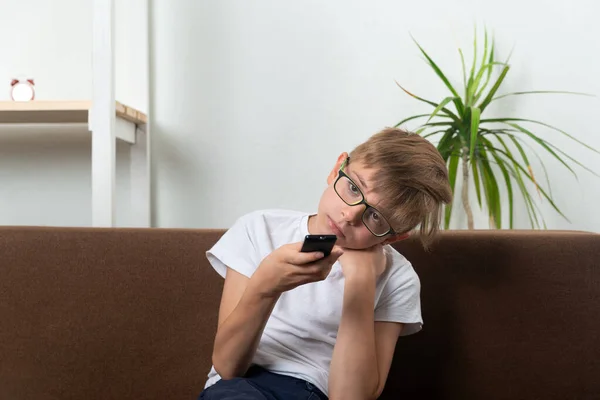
column 258, row 383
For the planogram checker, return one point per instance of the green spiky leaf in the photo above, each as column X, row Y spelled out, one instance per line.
column 497, row 149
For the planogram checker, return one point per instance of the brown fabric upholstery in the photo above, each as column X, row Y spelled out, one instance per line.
column 508, row 315
column 131, row 314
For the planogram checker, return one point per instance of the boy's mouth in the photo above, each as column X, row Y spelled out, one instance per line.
column 336, row 230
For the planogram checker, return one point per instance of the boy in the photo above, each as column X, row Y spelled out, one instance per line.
column 298, row 325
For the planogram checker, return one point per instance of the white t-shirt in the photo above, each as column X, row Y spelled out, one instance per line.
column 300, row 334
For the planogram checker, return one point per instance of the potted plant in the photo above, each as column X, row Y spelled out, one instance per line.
column 490, row 150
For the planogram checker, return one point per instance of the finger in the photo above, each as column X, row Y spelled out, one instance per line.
column 337, row 248
column 299, row 258
column 293, row 254
column 327, row 262
column 296, row 245
column 336, row 253
column 311, row 269
column 316, row 272
column 314, row 258
column 331, row 258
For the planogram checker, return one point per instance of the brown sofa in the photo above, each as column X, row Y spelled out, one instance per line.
column 131, row 314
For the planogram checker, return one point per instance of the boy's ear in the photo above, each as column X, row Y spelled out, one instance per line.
column 396, row 238
column 334, row 172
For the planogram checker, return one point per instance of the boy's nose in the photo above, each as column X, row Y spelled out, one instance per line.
column 353, row 214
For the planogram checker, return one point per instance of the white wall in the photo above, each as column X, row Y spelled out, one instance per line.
column 46, row 177
column 45, row 171
column 253, row 101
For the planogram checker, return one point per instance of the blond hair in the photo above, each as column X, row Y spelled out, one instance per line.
column 411, row 177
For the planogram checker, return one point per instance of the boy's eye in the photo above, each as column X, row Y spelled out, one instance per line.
column 349, row 192
column 375, row 219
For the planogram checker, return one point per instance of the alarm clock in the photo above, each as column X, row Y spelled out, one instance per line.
column 22, row 89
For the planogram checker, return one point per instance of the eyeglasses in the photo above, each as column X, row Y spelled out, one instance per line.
column 347, row 190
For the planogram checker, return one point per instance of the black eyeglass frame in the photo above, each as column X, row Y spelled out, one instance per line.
column 341, row 174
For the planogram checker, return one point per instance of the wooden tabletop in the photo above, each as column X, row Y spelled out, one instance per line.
column 52, row 112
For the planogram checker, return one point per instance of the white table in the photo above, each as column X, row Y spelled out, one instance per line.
column 130, row 126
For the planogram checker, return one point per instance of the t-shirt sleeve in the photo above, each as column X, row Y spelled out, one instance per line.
column 400, row 300
column 235, row 249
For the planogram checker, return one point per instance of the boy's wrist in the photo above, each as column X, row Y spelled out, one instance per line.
column 359, row 279
column 360, row 275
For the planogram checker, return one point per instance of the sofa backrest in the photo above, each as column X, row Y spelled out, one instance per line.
column 507, row 315
column 105, row 313
column 131, row 314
